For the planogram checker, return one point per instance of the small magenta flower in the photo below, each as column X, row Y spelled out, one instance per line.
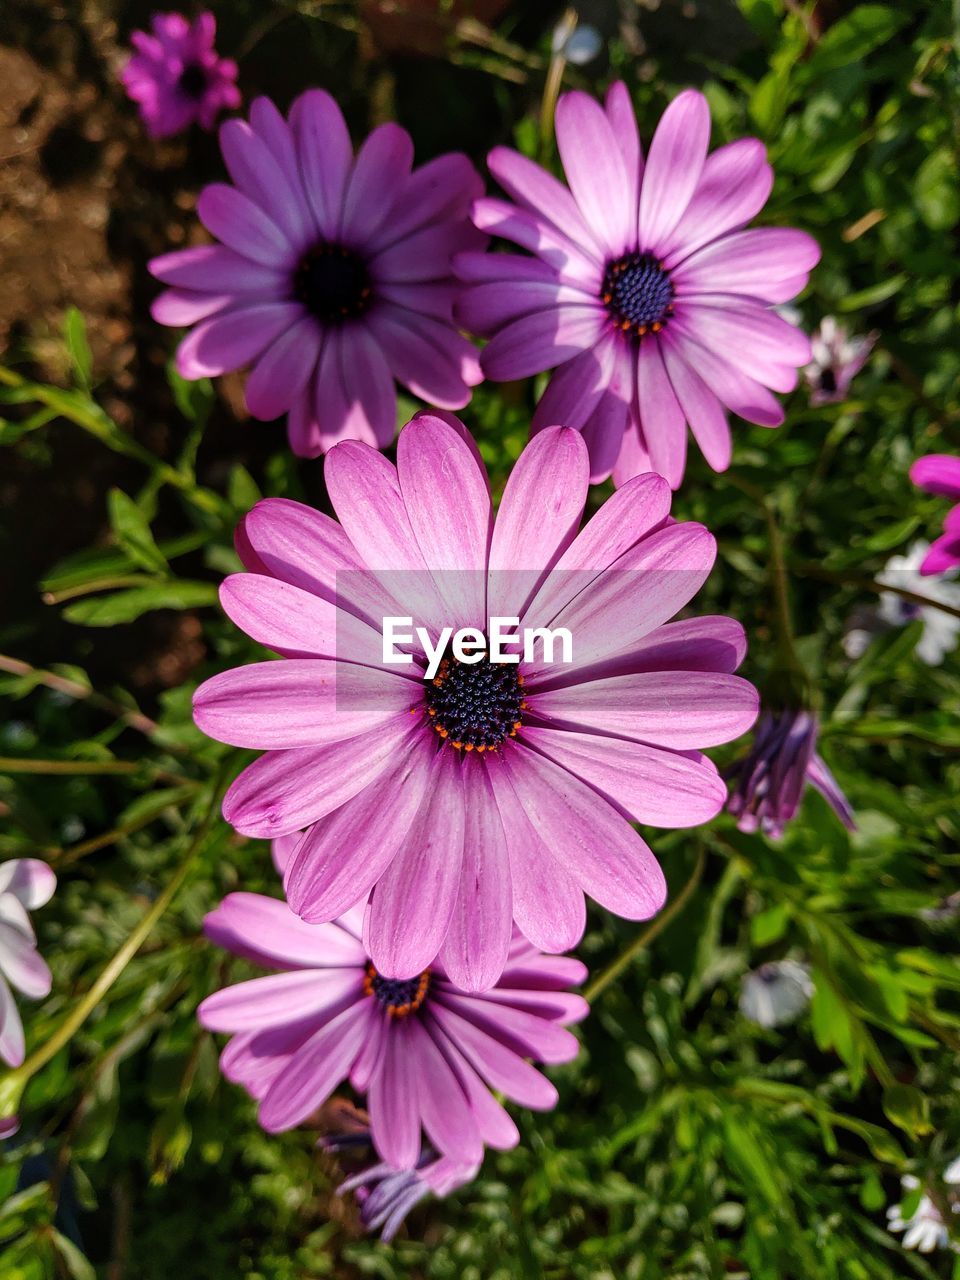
column 464, row 797
column 769, row 782
column 641, row 288
column 332, row 278
column 426, row 1054
column 940, row 473
column 176, row 76
column 837, row 358
column 25, row 885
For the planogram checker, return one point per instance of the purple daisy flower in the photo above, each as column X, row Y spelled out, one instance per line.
column 25, row 885
column 176, row 76
column 940, row 473
column 768, row 783
column 332, row 278
column 490, row 790
column 643, row 291
column 426, row 1054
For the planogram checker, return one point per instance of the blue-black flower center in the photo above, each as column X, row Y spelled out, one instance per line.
column 399, row 996
column 476, row 706
column 333, row 283
column 193, row 80
column 638, row 293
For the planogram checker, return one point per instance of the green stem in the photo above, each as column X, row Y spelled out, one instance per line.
column 872, row 584
column 653, row 930
column 73, row 689
column 12, row 764
column 778, row 570
column 551, row 88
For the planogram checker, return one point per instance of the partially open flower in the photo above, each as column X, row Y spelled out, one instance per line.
column 769, row 782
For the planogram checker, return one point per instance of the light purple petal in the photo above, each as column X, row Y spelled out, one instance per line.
column 662, row 420
column 393, row 1100
column 284, row 370
column 674, row 165
column 499, row 1066
column 281, row 999
column 733, row 188
column 212, row 268
column 255, row 172
column 325, row 154
column 623, row 122
column 590, row 840
column 380, row 171
column 267, row 933
column 595, row 170
column 541, row 340
column 541, row 194
column 700, row 407
column 414, row 898
column 12, row 1045
column 315, row 1069
column 234, row 338
column 22, row 964
column 748, row 262
column 243, row 226
column 31, row 881
column 732, row 387
column 444, row 1108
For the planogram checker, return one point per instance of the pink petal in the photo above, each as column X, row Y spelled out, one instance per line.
column 414, row 898
column 380, row 170
column 21, row 963
column 646, row 784
column 256, row 172
column 234, row 338
column 316, row 1069
column 733, row 188
column 243, row 226
column 596, row 172
column 393, row 1100
column 541, row 341
column 674, row 165
column 499, row 1066
column 325, row 153
column 538, row 517
column 475, row 949
column 444, row 1109
column 267, row 933
column 747, row 262
column 283, row 371
column 676, row 709
column 662, row 420
column 211, row 268
column 299, row 702
column 31, row 881
column 937, row 473
column 623, row 122
column 541, row 194
column 732, row 387
column 700, row 407
column 281, row 998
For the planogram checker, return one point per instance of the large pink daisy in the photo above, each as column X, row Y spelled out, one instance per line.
column 332, row 278
column 494, row 790
column 642, row 290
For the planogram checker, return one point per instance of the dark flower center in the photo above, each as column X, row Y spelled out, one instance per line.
column 828, row 381
column 399, row 996
column 332, row 282
column 476, row 706
column 638, row 293
column 193, row 80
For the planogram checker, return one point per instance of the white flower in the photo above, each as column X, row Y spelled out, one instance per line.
column 940, row 630
column 25, row 884
column 837, row 359
column 924, row 1230
column 775, row 993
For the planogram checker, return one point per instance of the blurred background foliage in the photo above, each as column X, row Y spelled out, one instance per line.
column 688, row 1142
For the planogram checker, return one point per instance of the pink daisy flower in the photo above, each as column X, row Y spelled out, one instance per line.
column 25, row 885
column 495, row 789
column 643, row 291
column 426, row 1054
column 939, row 473
column 176, row 76
column 332, row 278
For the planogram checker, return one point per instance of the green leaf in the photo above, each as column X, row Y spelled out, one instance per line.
column 76, row 1264
column 132, row 532
column 936, row 191
column 908, row 1109
column 768, row 926
column 850, row 39
column 78, row 348
column 126, row 606
column 242, row 490
column 193, row 399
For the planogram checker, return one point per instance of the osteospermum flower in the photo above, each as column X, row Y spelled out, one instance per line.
column 332, row 278
column 776, row 993
column 643, row 290
column 25, row 885
column 425, row 1053
column 836, row 359
column 769, row 782
column 176, row 76
column 492, row 790
column 940, row 473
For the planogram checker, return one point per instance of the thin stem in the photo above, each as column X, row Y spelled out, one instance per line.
column 115, row 967
column 778, row 569
column 73, row 689
column 551, row 88
column 653, row 930
column 98, row 584
column 872, row 584
column 61, row 858
column 13, row 764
